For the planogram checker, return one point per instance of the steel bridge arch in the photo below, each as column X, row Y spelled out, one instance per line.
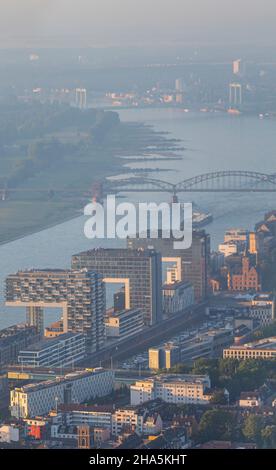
column 249, row 176
column 220, row 181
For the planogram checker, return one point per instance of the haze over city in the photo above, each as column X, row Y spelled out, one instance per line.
column 137, row 231
column 123, row 22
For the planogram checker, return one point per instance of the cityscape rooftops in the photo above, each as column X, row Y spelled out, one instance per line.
column 180, row 378
column 59, row 380
column 118, row 252
column 266, row 343
column 50, row 342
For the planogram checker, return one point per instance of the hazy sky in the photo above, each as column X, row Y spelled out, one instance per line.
column 125, row 21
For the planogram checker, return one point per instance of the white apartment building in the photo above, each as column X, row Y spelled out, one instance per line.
column 116, row 421
column 38, row 399
column 188, row 389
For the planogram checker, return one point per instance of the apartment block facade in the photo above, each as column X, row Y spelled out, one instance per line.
column 79, row 293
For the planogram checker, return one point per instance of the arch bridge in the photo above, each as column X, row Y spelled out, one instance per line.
column 219, row 181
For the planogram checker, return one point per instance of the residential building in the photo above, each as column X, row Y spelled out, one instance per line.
column 64, row 350
column 38, row 399
column 138, row 270
column 129, row 419
column 79, row 293
column 250, row 400
column 191, row 389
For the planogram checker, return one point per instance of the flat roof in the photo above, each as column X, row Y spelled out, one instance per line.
column 263, row 344
column 59, row 380
column 49, row 342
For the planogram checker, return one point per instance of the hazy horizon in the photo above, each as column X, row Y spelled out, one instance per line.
column 122, row 22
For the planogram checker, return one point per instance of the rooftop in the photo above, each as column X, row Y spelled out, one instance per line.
column 266, row 343
column 47, row 343
column 59, row 380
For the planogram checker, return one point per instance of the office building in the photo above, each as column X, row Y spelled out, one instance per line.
column 140, row 272
column 177, row 297
column 262, row 349
column 79, row 293
column 192, row 264
column 33, row 400
column 81, row 98
column 14, row 338
column 177, row 389
column 65, row 350
column 124, row 324
column 164, row 357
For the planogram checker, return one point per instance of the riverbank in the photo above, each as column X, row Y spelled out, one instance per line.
column 36, row 205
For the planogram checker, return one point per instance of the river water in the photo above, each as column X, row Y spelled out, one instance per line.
column 212, row 141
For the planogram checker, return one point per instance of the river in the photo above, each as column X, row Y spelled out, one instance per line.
column 212, row 141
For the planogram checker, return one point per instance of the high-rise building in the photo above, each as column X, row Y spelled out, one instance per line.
column 192, row 264
column 236, row 66
column 140, row 271
column 79, row 293
column 81, row 98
